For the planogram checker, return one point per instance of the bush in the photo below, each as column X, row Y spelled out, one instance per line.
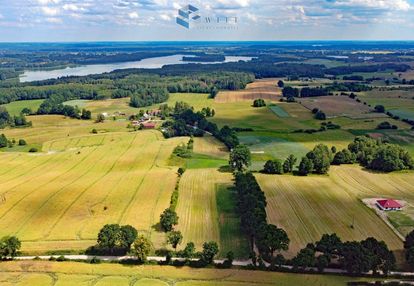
column 379, row 108
column 181, row 171
column 320, row 115
column 273, row 167
column 94, row 131
column 33, row 150
column 386, row 125
column 95, row 260
column 22, row 142
column 259, row 103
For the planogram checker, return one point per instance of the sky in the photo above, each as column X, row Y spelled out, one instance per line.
column 155, row 20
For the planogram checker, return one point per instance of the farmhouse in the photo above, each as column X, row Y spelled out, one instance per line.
column 148, row 125
column 389, row 205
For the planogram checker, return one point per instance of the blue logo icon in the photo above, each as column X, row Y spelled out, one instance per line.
column 186, row 15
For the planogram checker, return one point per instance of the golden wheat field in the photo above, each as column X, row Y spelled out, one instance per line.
column 264, row 88
column 60, row 198
column 307, row 207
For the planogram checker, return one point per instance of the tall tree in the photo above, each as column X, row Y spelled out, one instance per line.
column 9, row 245
column 272, row 238
column 289, row 163
column 175, row 238
column 127, row 236
column 141, row 248
column 108, row 236
column 168, row 219
column 210, row 249
column 240, row 158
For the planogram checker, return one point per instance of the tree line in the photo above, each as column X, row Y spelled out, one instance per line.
column 6, row 120
column 186, row 122
column 370, row 153
column 54, row 105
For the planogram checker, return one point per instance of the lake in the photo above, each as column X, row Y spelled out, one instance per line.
column 150, row 63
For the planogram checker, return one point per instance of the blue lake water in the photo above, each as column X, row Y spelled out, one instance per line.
column 150, row 63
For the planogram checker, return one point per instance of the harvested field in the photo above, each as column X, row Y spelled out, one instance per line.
column 202, row 211
column 335, row 106
column 79, row 274
column 307, row 207
column 67, row 194
column 266, row 89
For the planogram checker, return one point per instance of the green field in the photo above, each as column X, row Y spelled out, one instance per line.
column 39, row 273
column 279, row 111
column 16, row 107
column 308, row 207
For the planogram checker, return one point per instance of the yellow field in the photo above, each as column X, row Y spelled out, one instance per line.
column 264, row 88
column 39, row 273
column 60, row 198
column 197, row 206
column 307, row 207
column 208, row 145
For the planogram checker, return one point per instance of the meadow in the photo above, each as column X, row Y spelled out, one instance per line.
column 39, row 273
column 16, row 107
column 308, row 207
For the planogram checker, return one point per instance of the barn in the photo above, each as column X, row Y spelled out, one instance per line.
column 148, row 125
column 389, row 205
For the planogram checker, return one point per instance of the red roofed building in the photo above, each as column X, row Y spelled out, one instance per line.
column 148, row 125
column 389, row 205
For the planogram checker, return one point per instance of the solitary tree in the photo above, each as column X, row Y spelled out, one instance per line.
column 100, row 118
column 280, row 84
column 240, row 158
column 175, row 238
column 141, row 248
column 168, row 219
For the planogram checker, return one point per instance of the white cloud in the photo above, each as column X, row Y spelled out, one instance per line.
column 71, row 7
column 232, row 3
column 54, row 20
column 165, row 17
column 133, row 15
column 50, row 11
column 403, row 5
column 251, row 17
column 46, row 2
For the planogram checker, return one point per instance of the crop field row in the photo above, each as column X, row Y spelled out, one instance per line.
column 340, row 106
column 80, row 184
column 308, row 207
column 39, row 273
column 265, row 89
column 207, row 211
